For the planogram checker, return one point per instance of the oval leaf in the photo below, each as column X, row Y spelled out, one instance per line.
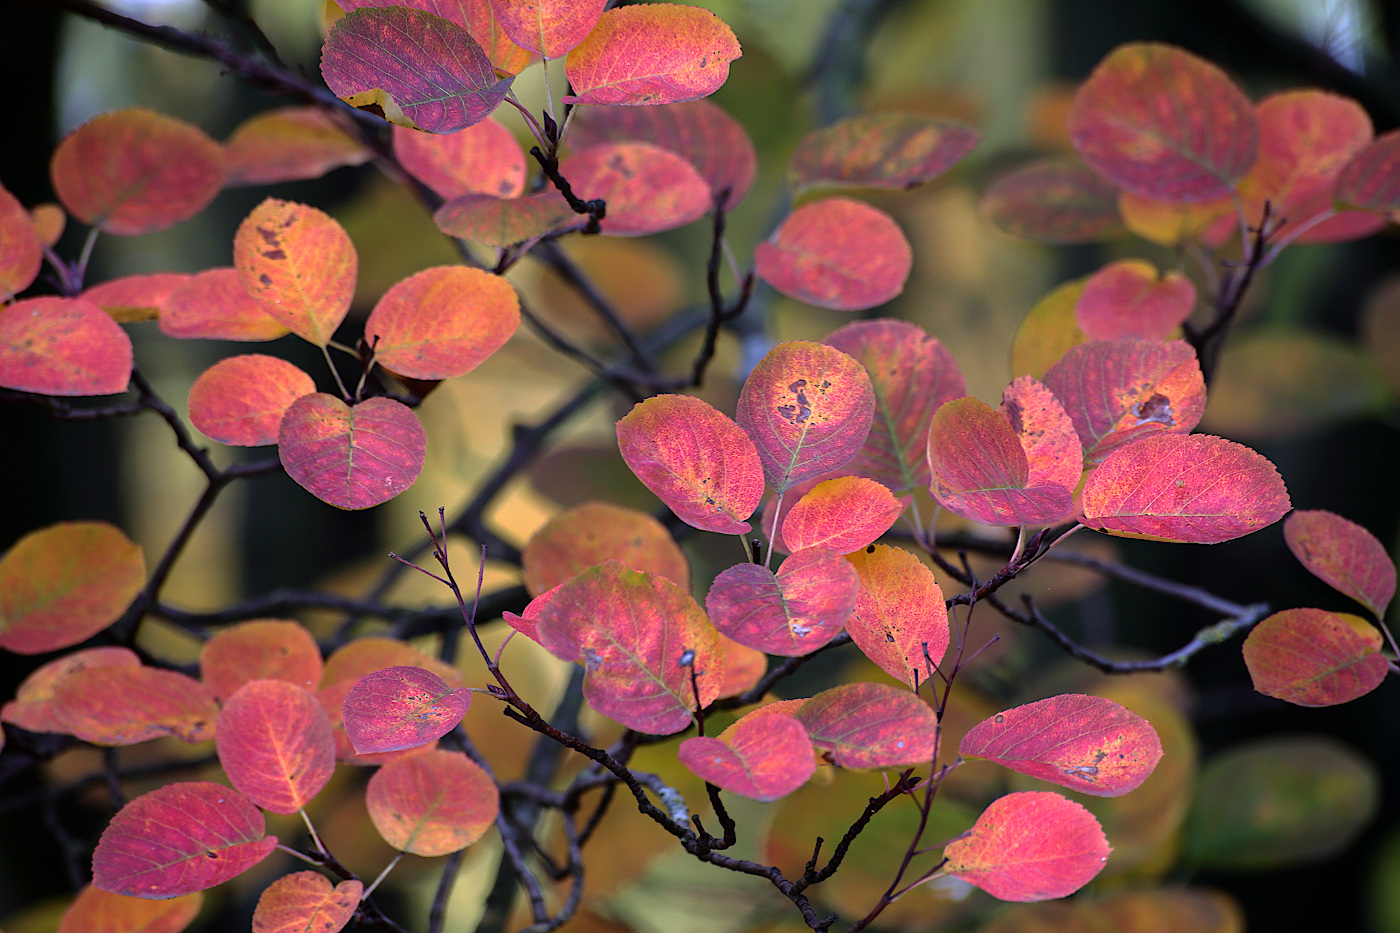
column 135, row 297
column 1085, row 743
column 842, row 515
column 274, row 742
column 589, row 534
column 304, row 901
column 401, row 707
column 1130, row 300
column 1371, row 180
column 179, row 839
column 652, row 53
column 432, row 804
column 125, row 705
column 481, row 159
column 475, row 16
column 880, row 150
column 871, row 726
column 1029, row 846
column 647, row 189
column 808, row 408
column 1045, row 431
column 1054, row 201
column 762, row 757
column 156, row 171
column 697, row 461
column 241, row 400
column 1310, row 657
column 1343, row 555
column 63, row 584
column 1163, row 123
column 215, row 305
column 1171, row 487
column 21, row 251
column 62, row 346
column 289, row 144
column 792, row 613
column 352, row 458
column 260, row 649
column 549, row 27
column 501, row 222
column 33, row 707
column 442, row 322
column 900, row 621
column 97, row 911
column 413, row 68
column 836, row 253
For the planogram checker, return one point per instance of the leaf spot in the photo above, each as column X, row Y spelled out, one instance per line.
column 1157, row 409
column 999, row 718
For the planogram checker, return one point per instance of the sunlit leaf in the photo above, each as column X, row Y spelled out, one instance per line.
column 21, row 252
column 289, row 144
column 791, row 613
column 1311, row 657
column 62, row 584
column 274, row 742
column 33, row 707
column 1055, row 201
column 911, row 374
column 125, row 705
column 1371, row 180
column 351, row 458
column 647, row 189
column 136, row 297
column 299, row 264
column 1163, row 123
column 1117, row 391
column 1048, row 331
column 808, row 408
column 871, row 726
column 1045, row 431
column 549, row 27
column 1030, row 846
column 842, row 515
column 759, row 757
column 97, row 911
column 415, row 69
column 136, row 171
column 836, row 253
column 481, row 159
column 442, row 322
column 1343, row 555
column 401, row 707
column 304, row 901
column 653, row 53
column 1130, row 299
column 240, row 400
column 697, row 461
column 900, row 620
column 1085, row 743
column 589, row 534
column 432, row 804
column 880, row 150
column 1173, row 487
column 214, row 304
column 500, row 222
column 259, row 649
column 179, row 839
column 62, row 346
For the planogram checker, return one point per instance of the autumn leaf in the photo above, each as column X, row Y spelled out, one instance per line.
column 759, row 757
column 432, row 804
column 842, row 515
column 240, row 400
column 62, row 346
column 900, row 620
column 275, row 744
column 260, row 649
column 589, row 534
column 652, row 53
column 1054, row 201
column 866, row 725
column 1310, row 657
column 1343, row 555
column 97, row 911
column 836, row 253
column 442, row 322
column 351, row 457
column 791, row 613
column 880, row 150
column 289, row 144
column 401, row 707
column 305, row 901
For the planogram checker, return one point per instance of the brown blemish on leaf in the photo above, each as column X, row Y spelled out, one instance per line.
column 1013, row 414
column 1157, row 409
column 802, row 410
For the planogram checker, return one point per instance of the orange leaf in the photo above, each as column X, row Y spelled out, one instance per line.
column 442, row 322
column 240, row 400
column 1045, row 431
column 842, row 515
column 260, row 649
column 1310, row 657
column 21, row 252
column 1054, row 201
column 1171, row 222
column 96, row 911
column 549, row 27
column 900, row 621
column 481, row 159
column 214, row 304
column 63, row 584
column 156, row 171
column 62, row 346
column 652, row 53
column 647, row 189
column 759, row 757
column 1129, row 299
column 351, row 458
column 136, row 297
column 589, row 534
column 1343, row 555
column 32, row 708
column 289, row 144
column 126, row 705
column 836, row 253
column 791, row 613
column 432, row 804
column 305, row 902
column 880, row 150
column 500, row 222
column 871, row 726
column 274, row 742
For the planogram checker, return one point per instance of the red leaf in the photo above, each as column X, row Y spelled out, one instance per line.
column 481, row 159
column 475, row 16
column 1371, row 180
column 401, row 707
column 215, row 305
column 1030, row 846
column 698, row 131
column 1045, row 431
column 135, row 297
column 299, row 264
column 125, row 705
column 632, row 631
column 1310, row 657
column 261, row 649
column 900, row 621
column 880, row 150
column 156, row 171
column 63, row 584
column 432, row 804
column 808, row 408
column 274, row 742
column 1117, row 391
column 549, row 27
column 1343, row 555
column 289, row 144
column 179, row 839
column 981, row 472
column 697, row 461
column 62, row 346
column 240, row 400
column 911, row 374
column 21, row 251
column 303, row 902
column 413, row 68
column 442, row 322
column 647, row 189
column 653, row 53
column 96, row 911
column 1129, row 299
column 759, row 757
column 792, row 613
column 589, row 534
column 1085, row 743
column 836, row 253
column 500, row 222
column 33, row 707
column 351, row 458
column 871, row 726
column 1172, row 487
column 842, row 515
column 1055, row 201
column 1163, row 123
